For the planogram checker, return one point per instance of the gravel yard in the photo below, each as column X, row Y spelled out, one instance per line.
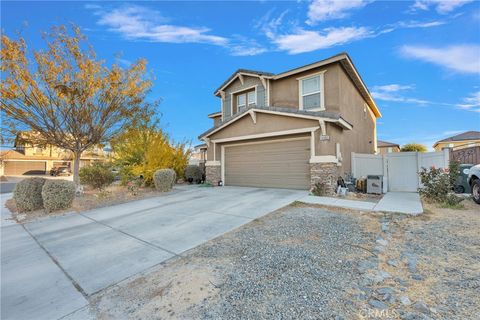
column 304, row 262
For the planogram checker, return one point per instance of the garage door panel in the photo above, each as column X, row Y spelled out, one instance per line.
column 275, row 164
column 24, row 167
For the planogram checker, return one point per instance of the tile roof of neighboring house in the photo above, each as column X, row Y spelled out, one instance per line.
column 384, row 144
column 319, row 114
column 201, row 146
column 15, row 155
column 468, row 135
column 343, row 58
column 215, row 114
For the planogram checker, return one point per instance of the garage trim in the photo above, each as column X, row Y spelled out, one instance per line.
column 222, row 174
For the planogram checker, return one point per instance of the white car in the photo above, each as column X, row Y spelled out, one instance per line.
column 474, row 182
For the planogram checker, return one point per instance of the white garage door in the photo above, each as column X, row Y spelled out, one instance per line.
column 270, row 164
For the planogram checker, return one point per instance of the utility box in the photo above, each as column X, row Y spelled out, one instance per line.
column 375, row 184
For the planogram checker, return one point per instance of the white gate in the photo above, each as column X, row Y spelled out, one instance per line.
column 399, row 169
column 402, row 171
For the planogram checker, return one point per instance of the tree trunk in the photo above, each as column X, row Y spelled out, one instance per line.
column 76, row 168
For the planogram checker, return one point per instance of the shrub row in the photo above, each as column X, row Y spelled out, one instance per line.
column 37, row 193
column 193, row 174
column 99, row 175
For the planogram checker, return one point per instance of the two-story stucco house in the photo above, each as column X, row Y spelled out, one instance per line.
column 292, row 129
column 30, row 158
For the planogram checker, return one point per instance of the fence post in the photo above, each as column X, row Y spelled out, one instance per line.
column 419, row 168
column 446, row 156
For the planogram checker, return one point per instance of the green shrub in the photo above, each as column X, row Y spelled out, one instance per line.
column 193, row 174
column 437, row 185
column 28, row 194
column 320, row 189
column 98, row 176
column 58, row 194
column 164, row 179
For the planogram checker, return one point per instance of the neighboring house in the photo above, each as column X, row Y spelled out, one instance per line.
column 463, row 140
column 199, row 154
column 28, row 158
column 293, row 129
column 387, row 147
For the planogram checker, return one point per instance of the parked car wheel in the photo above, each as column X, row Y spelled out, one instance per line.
column 459, row 189
column 476, row 190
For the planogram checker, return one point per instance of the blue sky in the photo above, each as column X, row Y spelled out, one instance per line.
column 420, row 59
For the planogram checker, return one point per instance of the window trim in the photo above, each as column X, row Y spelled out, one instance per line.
column 322, row 90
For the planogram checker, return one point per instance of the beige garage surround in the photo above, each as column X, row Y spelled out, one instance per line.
column 282, row 163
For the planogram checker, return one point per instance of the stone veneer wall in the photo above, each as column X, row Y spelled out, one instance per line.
column 213, row 174
column 326, row 173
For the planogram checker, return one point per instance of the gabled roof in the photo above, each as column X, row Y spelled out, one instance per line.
column 468, row 135
column 343, row 58
column 317, row 115
column 246, row 72
column 384, row 144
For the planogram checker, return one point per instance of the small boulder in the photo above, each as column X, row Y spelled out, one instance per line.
column 420, row 306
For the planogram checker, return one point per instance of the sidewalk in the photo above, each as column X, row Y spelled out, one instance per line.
column 28, row 271
column 399, row 202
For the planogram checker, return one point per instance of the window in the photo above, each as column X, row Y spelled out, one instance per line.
column 311, row 93
column 240, row 101
column 245, row 99
column 251, row 98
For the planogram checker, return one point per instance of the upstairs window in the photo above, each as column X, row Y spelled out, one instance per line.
column 246, row 98
column 311, row 92
column 251, row 98
column 241, row 102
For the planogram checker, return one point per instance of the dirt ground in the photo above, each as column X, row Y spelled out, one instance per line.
column 302, row 262
column 90, row 199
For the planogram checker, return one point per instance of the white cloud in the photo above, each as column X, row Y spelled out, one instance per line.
column 241, row 46
column 441, row 6
column 305, row 41
column 392, row 87
column 420, row 24
column 139, row 23
column 471, row 103
column 394, row 92
column 321, row 10
column 460, row 58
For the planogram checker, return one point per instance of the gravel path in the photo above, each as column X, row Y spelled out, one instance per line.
column 305, row 262
column 295, row 264
column 431, row 263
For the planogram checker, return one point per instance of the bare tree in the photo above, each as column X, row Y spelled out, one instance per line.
column 67, row 97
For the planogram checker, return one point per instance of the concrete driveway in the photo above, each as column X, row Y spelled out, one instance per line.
column 84, row 253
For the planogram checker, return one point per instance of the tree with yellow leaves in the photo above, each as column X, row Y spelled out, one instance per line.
column 65, row 95
column 145, row 148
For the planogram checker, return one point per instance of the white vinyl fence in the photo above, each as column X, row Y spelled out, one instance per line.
column 399, row 169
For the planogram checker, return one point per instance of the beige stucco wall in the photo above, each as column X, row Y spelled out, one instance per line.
column 385, row 150
column 284, row 92
column 266, row 123
column 341, row 96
